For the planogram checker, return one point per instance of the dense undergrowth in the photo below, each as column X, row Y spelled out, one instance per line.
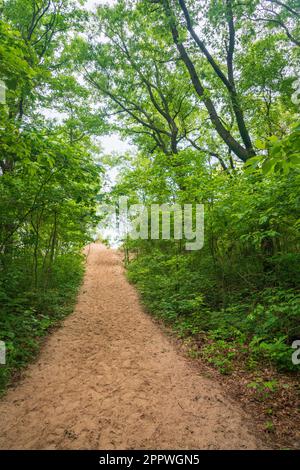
column 254, row 327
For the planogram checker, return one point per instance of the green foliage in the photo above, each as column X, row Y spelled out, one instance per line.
column 240, row 290
column 283, row 154
column 220, row 353
column 251, row 326
column 263, row 389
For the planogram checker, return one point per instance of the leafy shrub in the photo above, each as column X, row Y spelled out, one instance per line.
column 258, row 326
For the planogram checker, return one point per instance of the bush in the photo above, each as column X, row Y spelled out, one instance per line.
column 258, row 326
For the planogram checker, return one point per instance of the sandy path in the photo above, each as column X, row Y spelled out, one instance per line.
column 110, row 379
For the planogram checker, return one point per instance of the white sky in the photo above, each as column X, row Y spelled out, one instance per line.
column 112, row 143
column 92, row 4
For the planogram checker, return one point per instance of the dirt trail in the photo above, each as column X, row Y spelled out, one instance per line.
column 110, row 379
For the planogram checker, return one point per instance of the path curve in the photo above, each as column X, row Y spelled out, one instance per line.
column 111, row 379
